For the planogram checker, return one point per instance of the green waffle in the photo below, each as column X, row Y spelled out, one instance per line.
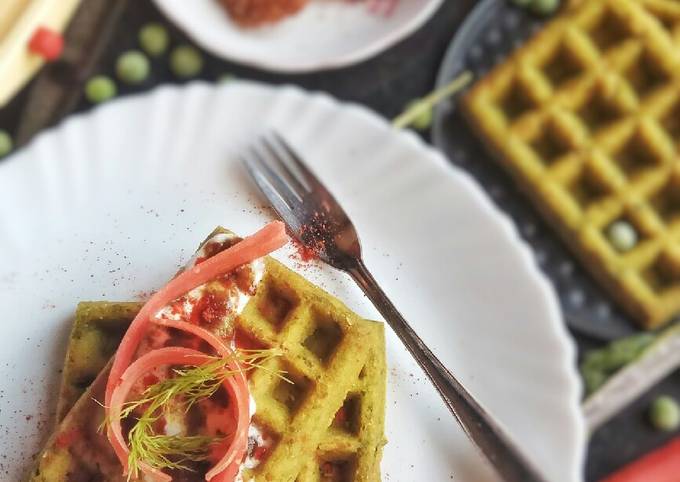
column 97, row 331
column 335, row 359
column 586, row 117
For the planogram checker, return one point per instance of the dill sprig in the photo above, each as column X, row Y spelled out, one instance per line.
column 187, row 387
column 165, row 451
column 252, row 359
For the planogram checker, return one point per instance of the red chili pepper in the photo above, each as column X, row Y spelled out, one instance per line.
column 46, row 43
column 661, row 465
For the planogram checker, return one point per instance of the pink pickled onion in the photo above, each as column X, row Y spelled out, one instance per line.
column 268, row 239
column 236, row 386
column 213, row 340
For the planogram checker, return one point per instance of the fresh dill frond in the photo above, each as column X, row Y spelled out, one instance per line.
column 252, row 359
column 187, row 387
column 164, row 451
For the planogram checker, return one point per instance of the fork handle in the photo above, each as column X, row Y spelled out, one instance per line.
column 479, row 426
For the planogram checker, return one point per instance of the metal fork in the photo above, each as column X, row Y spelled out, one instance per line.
column 316, row 219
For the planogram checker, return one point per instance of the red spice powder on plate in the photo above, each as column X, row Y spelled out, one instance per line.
column 302, row 252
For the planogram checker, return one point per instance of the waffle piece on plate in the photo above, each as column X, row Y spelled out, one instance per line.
column 586, row 117
column 329, row 421
column 351, row 448
column 97, row 330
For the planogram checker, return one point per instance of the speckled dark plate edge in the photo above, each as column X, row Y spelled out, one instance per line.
column 587, row 309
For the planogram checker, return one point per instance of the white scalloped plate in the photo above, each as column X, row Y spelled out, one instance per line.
column 327, row 34
column 110, row 203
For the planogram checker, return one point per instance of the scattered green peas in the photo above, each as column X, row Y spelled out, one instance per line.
column 664, row 414
column 6, row 143
column 154, row 39
column 544, row 7
column 100, row 88
column 423, row 114
column 186, row 61
column 133, row 67
column 622, row 235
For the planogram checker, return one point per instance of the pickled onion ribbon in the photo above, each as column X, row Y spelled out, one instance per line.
column 213, row 340
column 225, row 470
column 268, row 239
column 236, row 387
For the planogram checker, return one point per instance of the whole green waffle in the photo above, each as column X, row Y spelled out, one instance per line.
column 335, row 359
column 586, row 117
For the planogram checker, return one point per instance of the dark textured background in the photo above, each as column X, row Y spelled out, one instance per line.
column 386, row 84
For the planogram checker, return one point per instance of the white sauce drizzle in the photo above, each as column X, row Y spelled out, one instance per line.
column 255, row 439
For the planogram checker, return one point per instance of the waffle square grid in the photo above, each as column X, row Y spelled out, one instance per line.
column 586, row 116
column 335, row 360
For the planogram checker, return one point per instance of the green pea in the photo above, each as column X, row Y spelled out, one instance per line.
column 154, row 39
column 544, row 7
column 6, row 143
column 424, row 115
column 664, row 414
column 133, row 67
column 186, row 61
column 622, row 235
column 100, row 88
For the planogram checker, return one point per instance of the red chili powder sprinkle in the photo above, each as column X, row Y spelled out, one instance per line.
column 209, row 309
column 143, row 295
column 314, row 236
column 302, row 252
column 259, row 453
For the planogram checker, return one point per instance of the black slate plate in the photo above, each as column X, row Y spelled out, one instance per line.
column 492, row 30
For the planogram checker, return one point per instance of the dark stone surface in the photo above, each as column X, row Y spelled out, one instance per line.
column 627, row 436
column 386, row 84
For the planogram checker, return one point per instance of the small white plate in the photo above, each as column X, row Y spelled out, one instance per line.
column 111, row 203
column 327, row 34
